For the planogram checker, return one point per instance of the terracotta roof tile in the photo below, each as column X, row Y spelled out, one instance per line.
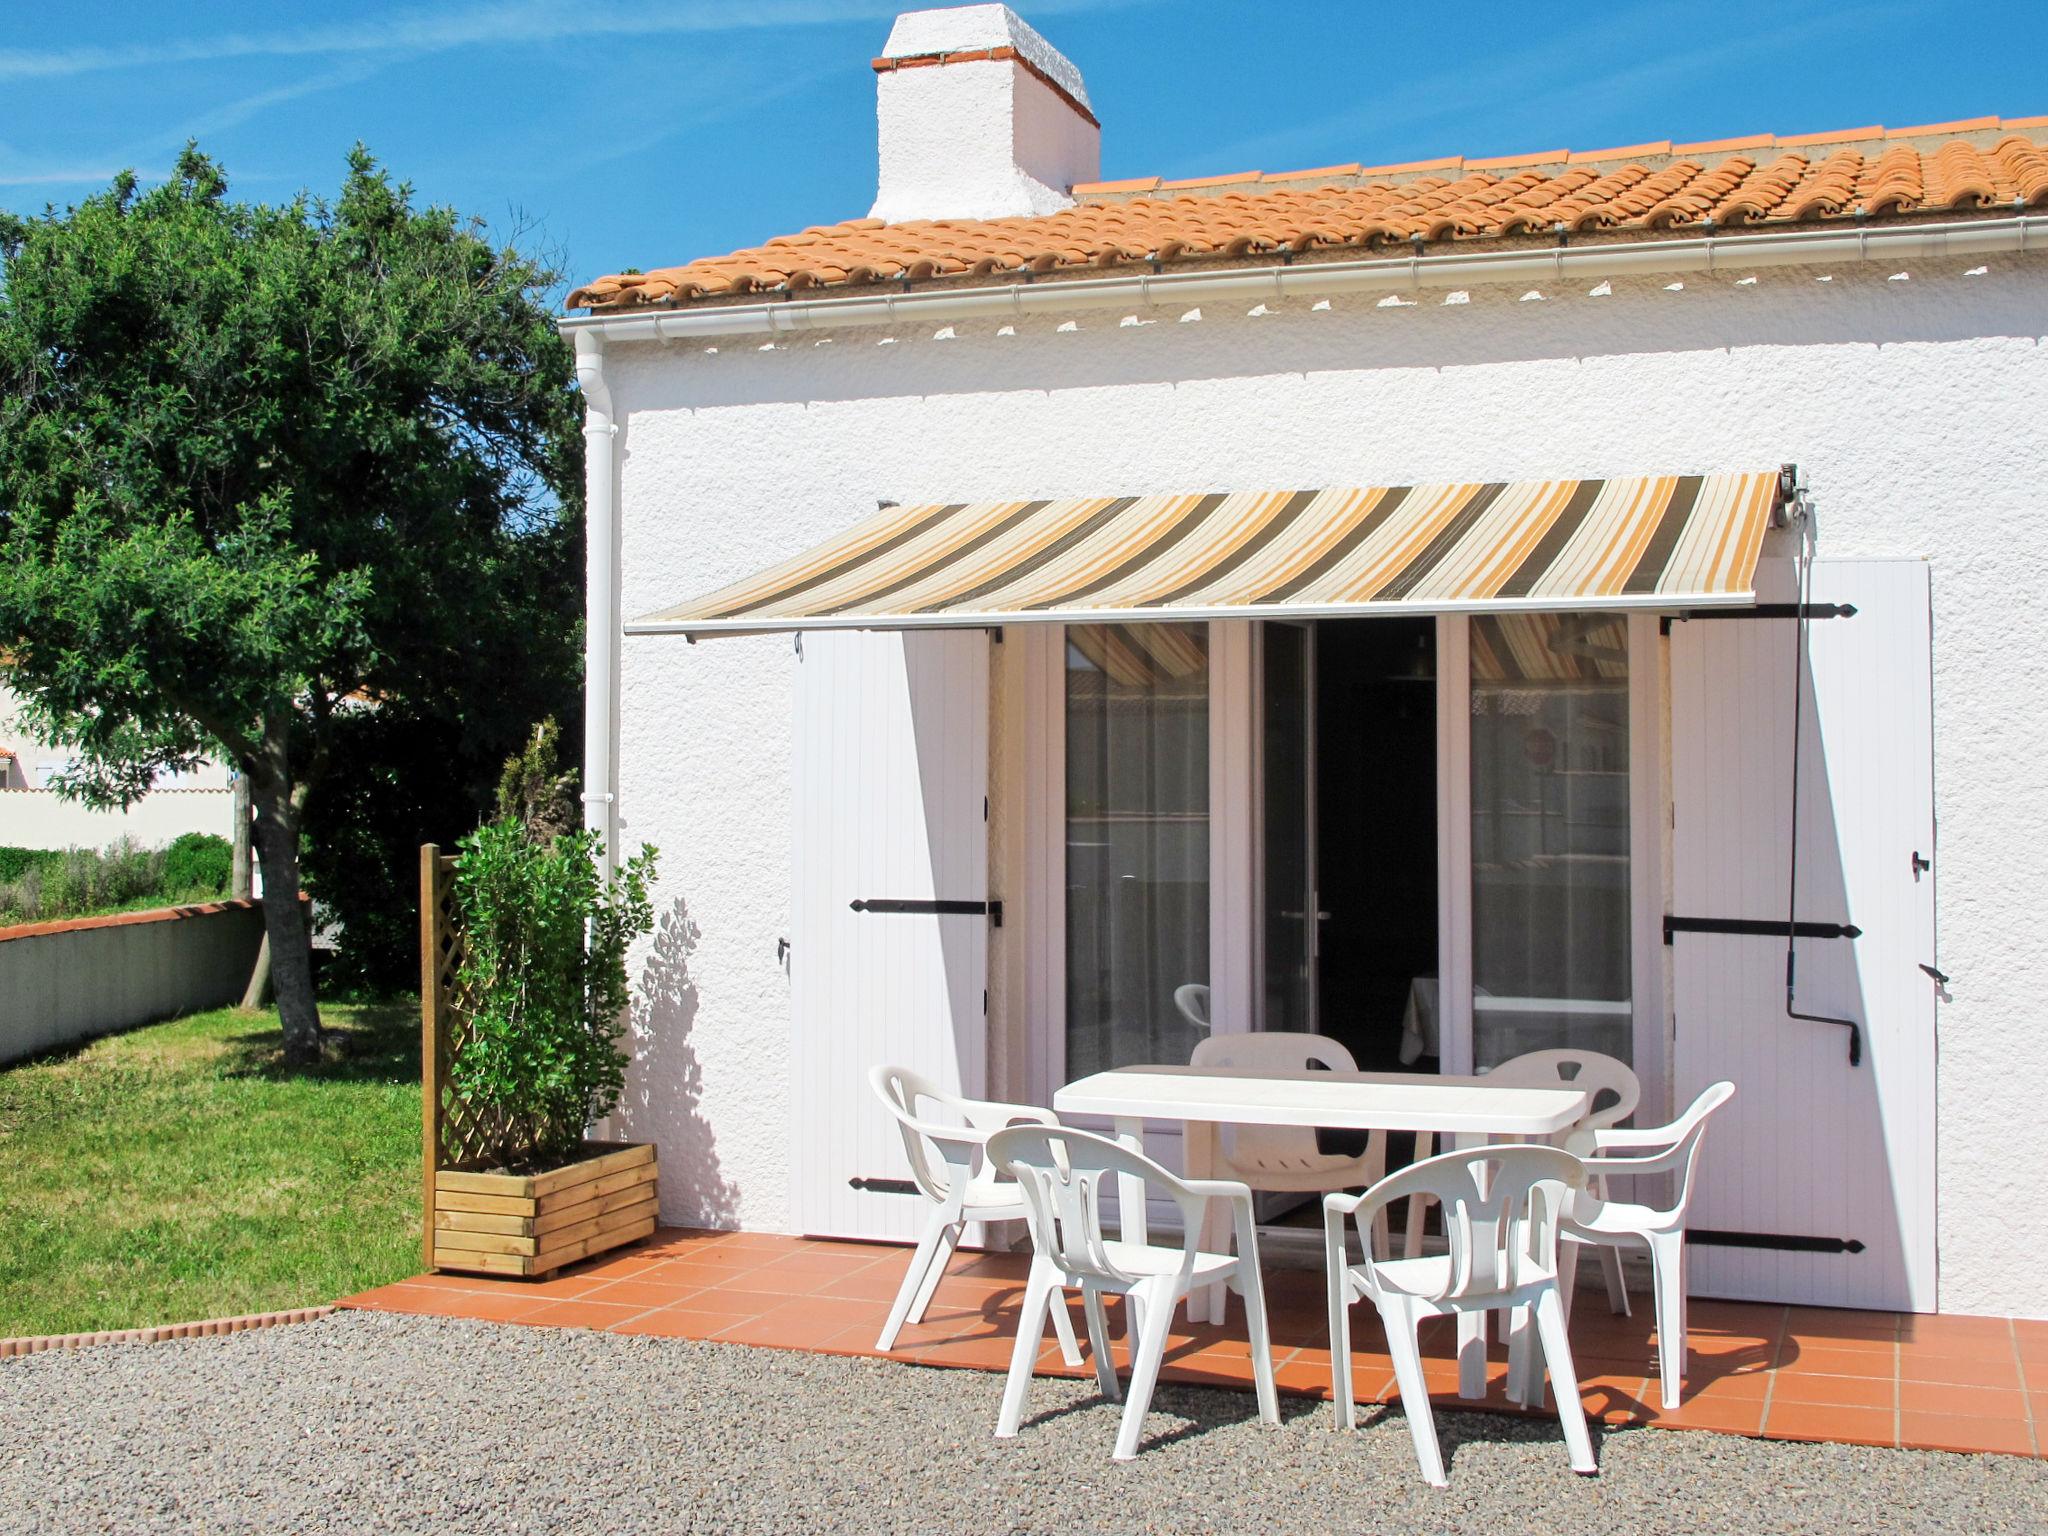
column 1976, row 165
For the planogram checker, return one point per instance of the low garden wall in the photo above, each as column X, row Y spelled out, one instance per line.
column 67, row 981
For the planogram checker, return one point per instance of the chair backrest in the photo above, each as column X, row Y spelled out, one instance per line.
column 1500, row 1206
column 1062, row 1173
column 1674, row 1146
column 1192, row 999
column 914, row 1101
column 1614, row 1089
column 1255, row 1149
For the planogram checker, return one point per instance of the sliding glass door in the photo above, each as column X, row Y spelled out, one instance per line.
column 1288, row 825
column 1137, row 843
column 1551, row 919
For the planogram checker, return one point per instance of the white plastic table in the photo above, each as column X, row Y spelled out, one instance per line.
column 1460, row 1110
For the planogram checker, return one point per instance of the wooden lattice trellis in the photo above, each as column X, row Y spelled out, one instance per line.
column 454, row 1133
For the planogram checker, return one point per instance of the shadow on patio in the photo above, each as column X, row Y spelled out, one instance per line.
column 1795, row 1373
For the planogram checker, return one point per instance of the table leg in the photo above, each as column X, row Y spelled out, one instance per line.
column 1130, row 1190
column 1198, row 1142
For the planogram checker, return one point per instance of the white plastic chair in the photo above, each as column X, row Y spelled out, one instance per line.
column 959, row 1180
column 1614, row 1092
column 1063, row 1174
column 1614, row 1224
column 1285, row 1159
column 1501, row 1208
column 1192, row 999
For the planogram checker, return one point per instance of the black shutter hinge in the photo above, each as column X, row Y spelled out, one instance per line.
column 1759, row 611
column 1762, row 928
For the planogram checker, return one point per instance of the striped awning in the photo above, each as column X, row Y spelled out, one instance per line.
column 1650, row 541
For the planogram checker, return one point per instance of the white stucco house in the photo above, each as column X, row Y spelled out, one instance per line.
column 1400, row 599
column 34, row 815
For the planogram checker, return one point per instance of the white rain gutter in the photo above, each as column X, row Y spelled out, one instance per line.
column 1012, row 299
column 601, row 592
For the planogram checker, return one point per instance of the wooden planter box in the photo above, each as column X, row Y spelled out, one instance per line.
column 531, row 1225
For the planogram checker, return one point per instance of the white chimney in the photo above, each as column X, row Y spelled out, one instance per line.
column 979, row 117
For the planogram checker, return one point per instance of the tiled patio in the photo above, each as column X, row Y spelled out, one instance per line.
column 1794, row 1373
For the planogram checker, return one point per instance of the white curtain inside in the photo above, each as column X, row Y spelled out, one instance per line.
column 1550, row 834
column 1137, row 708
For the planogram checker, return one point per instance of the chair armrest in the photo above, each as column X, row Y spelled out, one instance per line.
column 1341, row 1204
column 1624, row 1167
column 1219, row 1189
column 1620, row 1138
column 988, row 1117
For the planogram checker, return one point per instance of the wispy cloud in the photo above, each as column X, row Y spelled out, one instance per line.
column 422, row 31
column 17, row 170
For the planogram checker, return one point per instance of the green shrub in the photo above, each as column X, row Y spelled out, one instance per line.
column 199, row 862
column 16, row 862
column 39, row 885
column 541, row 1058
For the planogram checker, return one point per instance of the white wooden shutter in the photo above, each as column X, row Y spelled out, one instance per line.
column 890, row 797
column 1812, row 1151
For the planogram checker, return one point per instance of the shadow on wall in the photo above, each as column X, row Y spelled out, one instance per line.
column 665, row 1084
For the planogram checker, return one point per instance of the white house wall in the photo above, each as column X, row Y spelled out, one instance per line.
column 1912, row 404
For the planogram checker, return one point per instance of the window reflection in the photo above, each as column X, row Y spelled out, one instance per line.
column 1137, row 715
column 1550, row 834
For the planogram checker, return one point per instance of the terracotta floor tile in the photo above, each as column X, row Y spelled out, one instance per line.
column 407, row 1297
column 1831, row 1421
column 771, row 1280
column 731, row 1302
column 988, row 1353
column 992, row 1266
column 1966, row 1402
column 1950, row 1432
column 1798, row 1341
column 933, row 1333
column 1835, row 1391
column 674, row 1323
column 451, row 1280
column 803, row 1324
column 878, row 1283
column 643, row 1293
column 1742, row 1416
column 1311, row 1377
column 724, row 1257
column 693, row 1274
column 1959, row 1370
column 579, row 1313
column 1812, row 1360
column 1622, row 1395
column 493, row 1309
column 1720, row 1389
column 1841, row 1321
column 1953, row 1325
column 1980, row 1346
column 677, row 1242
column 829, row 1261
column 767, row 1242
column 1827, row 1373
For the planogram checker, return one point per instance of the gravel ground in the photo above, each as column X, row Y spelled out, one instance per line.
column 366, row 1422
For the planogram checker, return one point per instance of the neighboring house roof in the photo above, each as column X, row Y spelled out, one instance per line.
column 1980, row 166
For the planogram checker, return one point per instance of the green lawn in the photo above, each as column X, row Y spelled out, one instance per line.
column 179, row 1172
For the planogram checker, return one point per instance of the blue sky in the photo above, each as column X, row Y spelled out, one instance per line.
column 646, row 133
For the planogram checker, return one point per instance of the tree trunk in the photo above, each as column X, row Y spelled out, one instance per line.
column 239, row 886
column 285, row 929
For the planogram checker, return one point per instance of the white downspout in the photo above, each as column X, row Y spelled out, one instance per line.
column 601, row 597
